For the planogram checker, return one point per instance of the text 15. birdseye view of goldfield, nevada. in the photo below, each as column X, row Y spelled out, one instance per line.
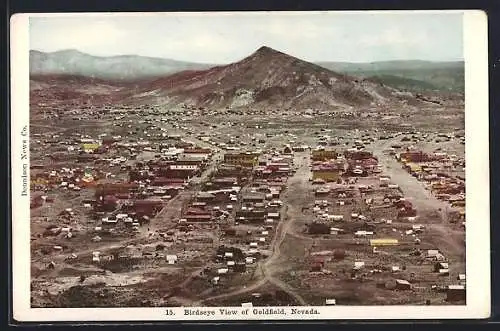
column 251, row 165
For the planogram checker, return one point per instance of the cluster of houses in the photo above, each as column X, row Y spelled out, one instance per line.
column 320, row 261
column 243, row 192
column 64, row 178
column 334, row 199
column 331, row 166
column 219, row 194
column 151, row 184
column 177, row 165
column 125, row 193
column 336, row 212
column 242, row 187
column 437, row 171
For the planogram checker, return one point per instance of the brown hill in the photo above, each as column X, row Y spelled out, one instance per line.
column 265, row 80
column 271, row 78
column 78, row 89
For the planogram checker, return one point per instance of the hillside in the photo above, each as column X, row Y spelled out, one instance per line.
column 122, row 67
column 269, row 78
column 402, row 83
column 68, row 89
column 408, row 75
column 265, row 80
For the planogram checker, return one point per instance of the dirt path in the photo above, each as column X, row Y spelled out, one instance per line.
column 423, row 200
column 415, row 190
column 171, row 211
column 268, row 267
column 296, row 185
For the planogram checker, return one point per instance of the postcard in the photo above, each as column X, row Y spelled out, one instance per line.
column 222, row 166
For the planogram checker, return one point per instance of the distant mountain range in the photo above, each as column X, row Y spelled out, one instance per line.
column 267, row 80
column 121, row 67
column 410, row 75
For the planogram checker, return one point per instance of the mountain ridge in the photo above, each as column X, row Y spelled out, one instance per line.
column 265, row 79
column 401, row 74
column 416, row 75
column 270, row 78
column 119, row 67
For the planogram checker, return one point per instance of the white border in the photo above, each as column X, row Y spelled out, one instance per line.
column 249, row 13
column 477, row 190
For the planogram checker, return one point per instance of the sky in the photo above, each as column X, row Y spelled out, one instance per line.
column 228, row 37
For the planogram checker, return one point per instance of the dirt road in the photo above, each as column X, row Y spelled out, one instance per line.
column 293, row 201
column 268, row 267
column 422, row 199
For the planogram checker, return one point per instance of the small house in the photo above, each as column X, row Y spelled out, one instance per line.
column 440, row 266
column 172, row 259
column 417, row 228
column 330, row 302
column 434, row 254
column 205, row 196
column 222, row 271
column 402, row 284
column 363, row 233
column 358, row 265
column 444, row 272
column 383, row 242
column 273, row 215
column 335, row 231
column 256, row 198
column 336, row 217
column 96, row 256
